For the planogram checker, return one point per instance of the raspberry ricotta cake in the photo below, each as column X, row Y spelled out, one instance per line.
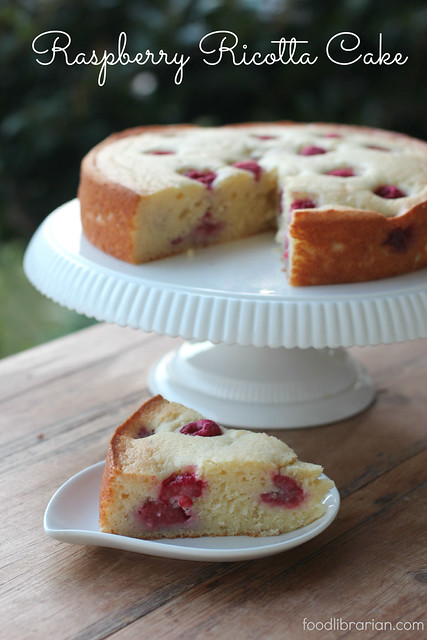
column 171, row 473
column 349, row 203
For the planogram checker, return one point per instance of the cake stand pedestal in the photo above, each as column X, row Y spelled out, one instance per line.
column 260, row 386
column 260, row 354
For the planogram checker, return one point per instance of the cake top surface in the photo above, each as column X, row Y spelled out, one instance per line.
column 151, row 442
column 339, row 165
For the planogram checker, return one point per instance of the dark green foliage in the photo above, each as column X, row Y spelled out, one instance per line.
column 26, row 317
column 51, row 115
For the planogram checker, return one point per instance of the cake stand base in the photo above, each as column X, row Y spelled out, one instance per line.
column 260, row 387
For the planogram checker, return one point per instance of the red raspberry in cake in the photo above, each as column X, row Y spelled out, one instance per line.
column 144, row 432
column 174, row 501
column 202, row 233
column 185, row 502
column 389, row 191
column 205, row 229
column 289, row 493
column 343, row 172
column 161, row 152
column 180, row 485
column 302, row 204
column 332, row 135
column 155, row 514
column 205, row 177
column 205, row 428
column 265, row 137
column 249, row 165
column 399, row 239
column 312, row 150
column 376, row 147
column 286, row 248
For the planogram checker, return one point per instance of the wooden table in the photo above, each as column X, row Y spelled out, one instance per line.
column 60, row 403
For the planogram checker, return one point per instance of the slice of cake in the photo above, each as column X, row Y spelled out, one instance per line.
column 172, row 473
column 349, row 203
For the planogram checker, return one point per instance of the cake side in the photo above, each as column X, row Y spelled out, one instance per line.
column 108, row 222
column 109, row 208
column 162, row 480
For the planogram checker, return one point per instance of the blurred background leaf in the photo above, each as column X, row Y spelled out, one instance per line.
column 50, row 116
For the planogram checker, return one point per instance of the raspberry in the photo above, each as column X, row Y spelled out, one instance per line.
column 144, row 433
column 331, row 135
column 205, row 229
column 260, row 137
column 249, row 165
column 376, row 147
column 312, row 151
column 155, row 514
column 389, row 191
column 161, row 152
column 399, row 239
column 200, row 234
column 178, row 486
column 185, row 502
column 289, row 494
column 286, row 248
column 302, row 204
column 205, row 428
column 343, row 172
column 172, row 508
column 205, row 177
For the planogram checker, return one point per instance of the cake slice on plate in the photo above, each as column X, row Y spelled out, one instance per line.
column 172, row 473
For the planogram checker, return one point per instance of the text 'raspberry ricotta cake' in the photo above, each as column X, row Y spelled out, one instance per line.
column 349, row 203
column 171, row 473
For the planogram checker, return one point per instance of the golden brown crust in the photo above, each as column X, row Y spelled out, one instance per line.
column 108, row 209
column 98, row 201
column 133, row 425
column 356, row 246
column 112, row 467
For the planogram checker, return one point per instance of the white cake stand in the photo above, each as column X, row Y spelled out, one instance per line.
column 262, row 354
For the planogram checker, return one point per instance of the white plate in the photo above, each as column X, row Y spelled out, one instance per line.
column 72, row 516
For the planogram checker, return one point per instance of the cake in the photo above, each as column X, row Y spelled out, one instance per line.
column 349, row 203
column 172, row 473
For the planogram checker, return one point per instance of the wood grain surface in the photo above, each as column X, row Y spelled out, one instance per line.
column 59, row 405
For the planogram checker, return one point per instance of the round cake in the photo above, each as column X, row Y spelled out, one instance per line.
column 172, row 473
column 349, row 203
